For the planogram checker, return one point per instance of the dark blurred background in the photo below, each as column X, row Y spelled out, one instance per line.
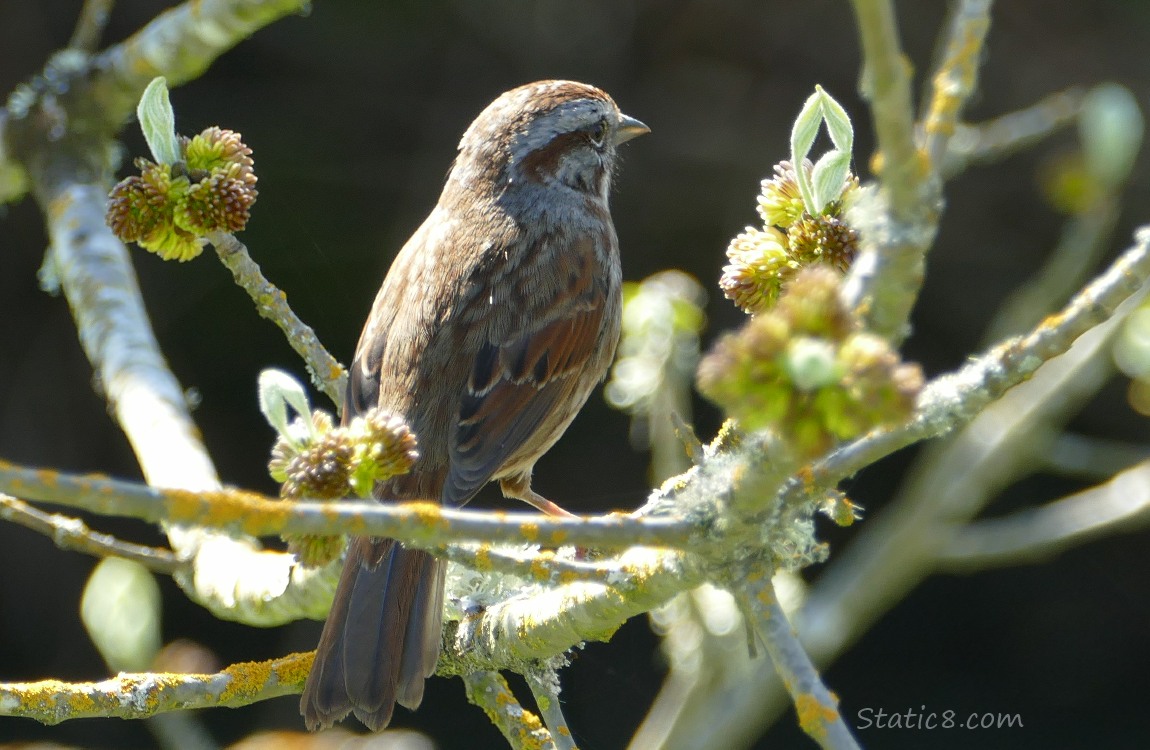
column 354, row 112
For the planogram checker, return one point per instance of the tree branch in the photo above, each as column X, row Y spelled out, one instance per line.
column 977, row 143
column 423, row 524
column 136, row 696
column 1119, row 505
column 73, row 534
column 886, row 84
column 544, row 684
column 326, row 372
column 90, row 25
column 955, row 79
column 816, row 706
column 522, row 729
column 951, row 401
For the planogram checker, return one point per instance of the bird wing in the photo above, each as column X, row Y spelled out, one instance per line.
column 530, row 376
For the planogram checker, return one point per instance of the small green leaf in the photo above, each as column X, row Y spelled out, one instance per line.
column 805, row 130
column 828, row 178
column 837, row 120
column 158, row 122
column 278, row 390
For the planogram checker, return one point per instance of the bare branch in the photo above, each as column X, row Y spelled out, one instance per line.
column 521, row 728
column 91, row 24
column 886, row 84
column 1120, row 505
column 896, row 224
column 271, row 303
column 544, row 686
column 136, row 696
column 73, row 534
column 990, row 141
column 954, row 400
column 955, row 79
column 1092, row 458
column 816, row 706
column 422, row 524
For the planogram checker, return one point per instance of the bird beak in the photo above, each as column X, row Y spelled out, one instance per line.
column 628, row 128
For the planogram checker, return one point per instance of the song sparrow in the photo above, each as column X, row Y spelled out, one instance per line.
column 495, row 322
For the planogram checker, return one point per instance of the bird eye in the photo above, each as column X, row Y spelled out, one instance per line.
column 598, row 132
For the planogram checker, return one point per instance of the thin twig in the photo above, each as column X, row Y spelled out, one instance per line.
column 521, row 728
column 545, row 687
column 996, row 139
column 73, row 534
column 957, row 74
column 816, row 706
column 1091, row 458
column 953, row 400
column 896, row 224
column 1119, row 505
column 136, row 696
column 887, row 85
column 271, row 303
column 1084, row 239
column 533, row 565
column 91, row 24
column 422, row 524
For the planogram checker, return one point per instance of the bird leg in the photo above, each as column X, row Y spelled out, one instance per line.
column 519, row 488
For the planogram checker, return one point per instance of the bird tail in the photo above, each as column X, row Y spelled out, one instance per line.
column 381, row 638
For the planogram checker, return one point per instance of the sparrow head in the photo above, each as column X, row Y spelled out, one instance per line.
column 560, row 134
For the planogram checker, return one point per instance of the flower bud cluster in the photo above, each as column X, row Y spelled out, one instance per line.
column 168, row 208
column 762, row 261
column 806, row 370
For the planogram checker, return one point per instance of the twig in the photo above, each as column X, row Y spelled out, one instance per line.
column 1084, row 239
column 533, row 565
column 422, row 524
column 73, row 534
column 1119, row 505
column 271, row 303
column 897, row 224
column 990, row 141
column 522, row 729
column 545, row 687
column 91, row 24
column 816, row 706
column 135, row 696
column 956, row 77
column 887, row 86
column 706, row 648
column 953, row 400
column 896, row 549
column 1092, row 458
